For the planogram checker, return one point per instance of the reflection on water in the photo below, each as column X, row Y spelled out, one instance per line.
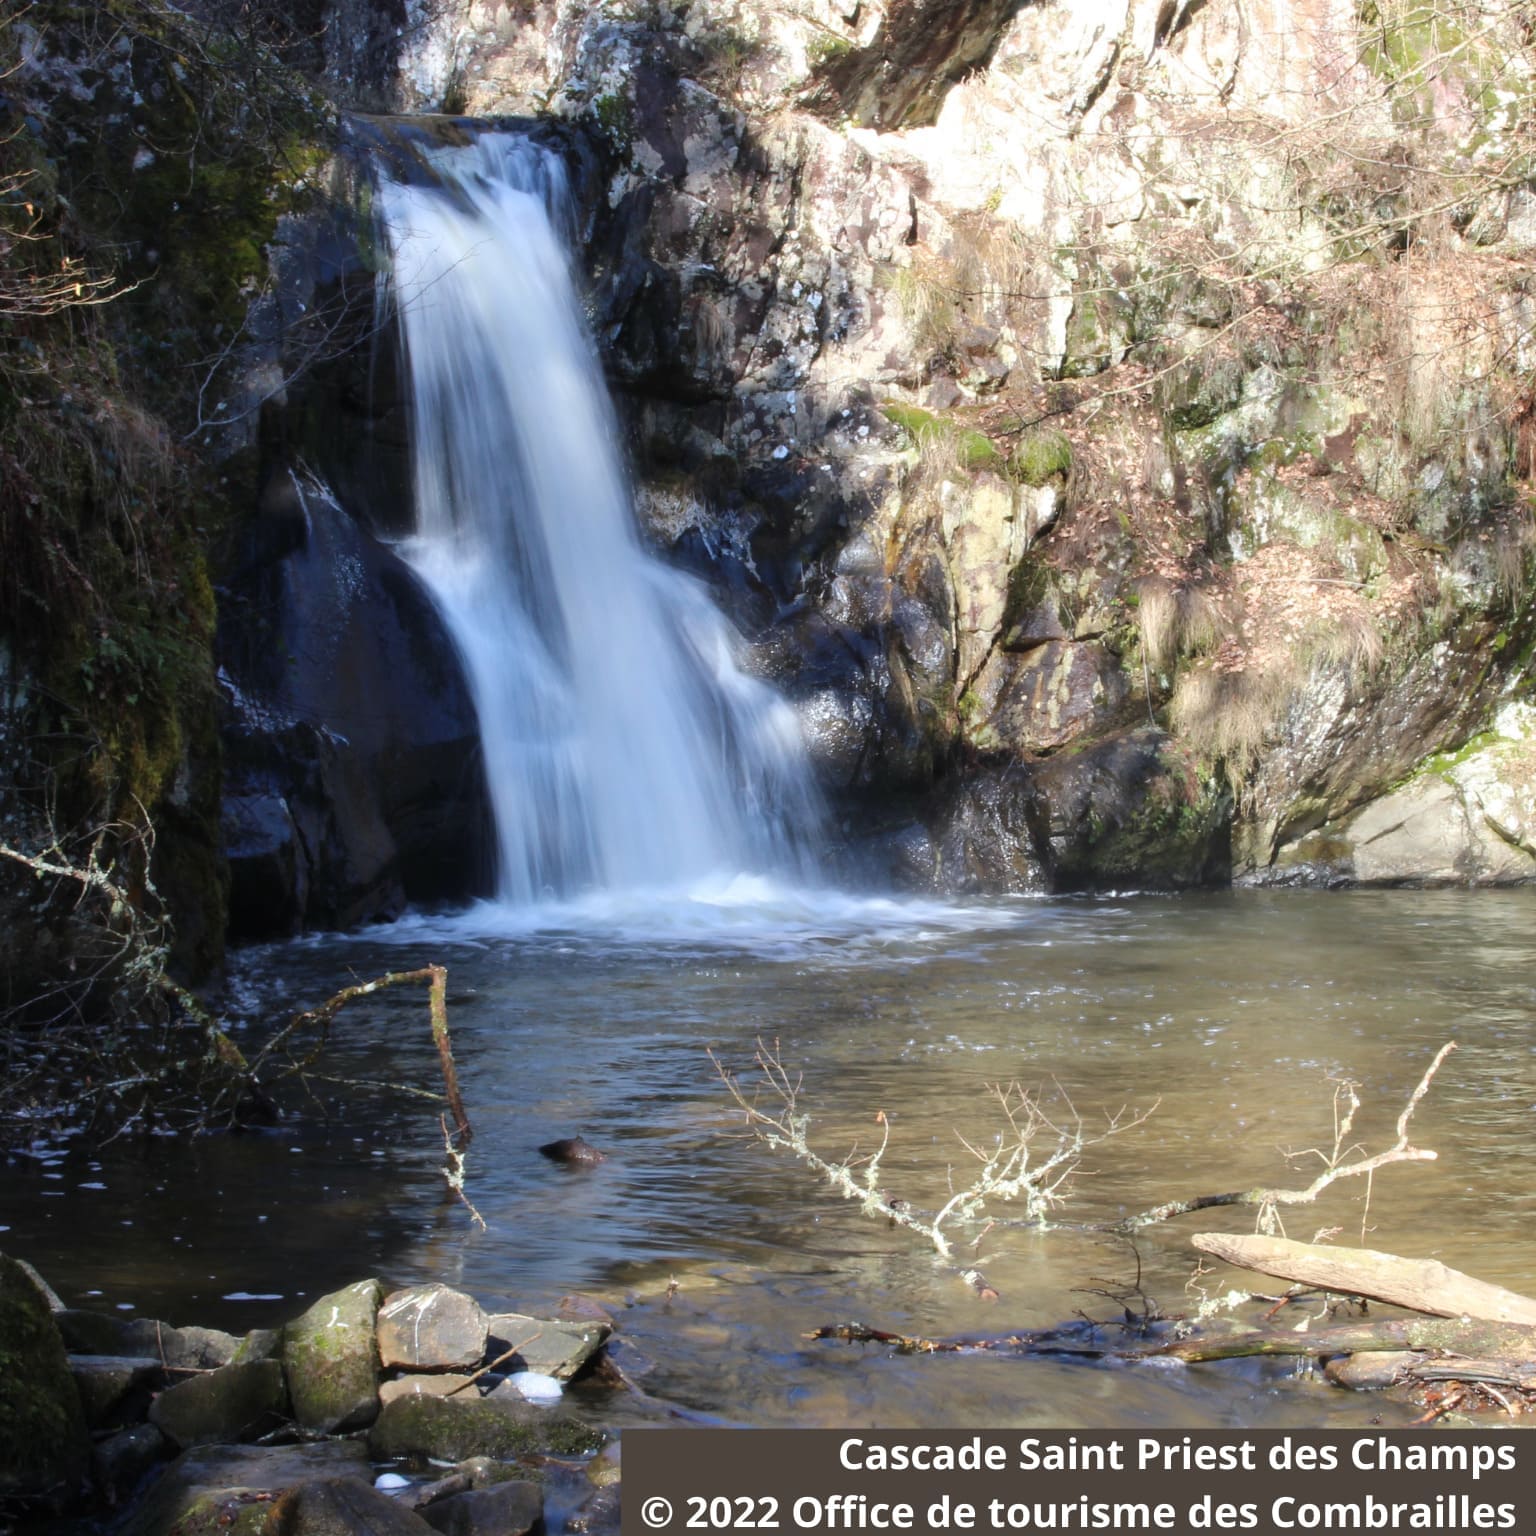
column 1233, row 1014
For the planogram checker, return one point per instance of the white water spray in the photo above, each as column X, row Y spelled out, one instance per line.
column 626, row 751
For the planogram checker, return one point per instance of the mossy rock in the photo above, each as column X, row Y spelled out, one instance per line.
column 1041, row 456
column 331, row 1360
column 456, row 1428
column 226, row 1490
column 930, row 432
column 44, row 1445
column 1201, row 389
column 1135, row 811
column 231, row 1404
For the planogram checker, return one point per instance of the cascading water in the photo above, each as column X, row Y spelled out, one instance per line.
column 625, row 750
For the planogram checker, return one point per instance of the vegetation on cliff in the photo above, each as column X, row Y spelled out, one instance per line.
column 146, row 154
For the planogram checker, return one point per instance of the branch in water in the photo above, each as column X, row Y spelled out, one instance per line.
column 1008, row 1171
column 1337, row 1164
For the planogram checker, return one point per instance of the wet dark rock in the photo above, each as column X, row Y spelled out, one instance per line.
column 547, row 1345
column 115, row 1389
column 122, row 1461
column 600, row 1514
column 1136, row 811
column 353, row 780
column 44, row 1448
column 231, row 1404
column 987, row 838
column 342, row 1506
column 573, row 1151
column 331, row 1360
column 509, row 1509
column 456, row 1428
column 222, row 1489
column 179, row 1349
column 430, row 1328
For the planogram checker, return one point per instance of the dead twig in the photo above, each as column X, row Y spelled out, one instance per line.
column 1338, row 1166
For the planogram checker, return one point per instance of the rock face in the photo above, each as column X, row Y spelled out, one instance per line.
column 353, row 774
column 1102, row 485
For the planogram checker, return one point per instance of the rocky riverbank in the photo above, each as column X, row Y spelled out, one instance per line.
column 377, row 1411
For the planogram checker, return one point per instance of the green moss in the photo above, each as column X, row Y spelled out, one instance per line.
column 972, row 450
column 613, row 115
column 457, row 1428
column 825, row 49
column 1040, row 456
column 193, row 145
column 42, row 1428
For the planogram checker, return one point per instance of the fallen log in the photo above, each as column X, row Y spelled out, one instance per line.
column 1422, row 1285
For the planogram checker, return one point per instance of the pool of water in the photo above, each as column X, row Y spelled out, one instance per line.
column 1228, row 1019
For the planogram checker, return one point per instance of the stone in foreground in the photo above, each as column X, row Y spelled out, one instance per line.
column 226, row 1490
column 331, row 1360
column 509, row 1509
column 548, row 1345
column 233, row 1403
column 431, row 1328
column 343, row 1506
column 44, row 1449
column 456, row 1428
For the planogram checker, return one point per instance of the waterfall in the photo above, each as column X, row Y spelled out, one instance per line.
column 625, row 749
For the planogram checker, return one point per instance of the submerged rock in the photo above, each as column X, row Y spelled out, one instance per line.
column 574, row 1151
column 331, row 1360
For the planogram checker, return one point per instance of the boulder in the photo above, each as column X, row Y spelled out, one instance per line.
column 549, row 1345
column 431, row 1328
column 342, row 1506
column 114, row 1389
column 231, row 1404
column 178, row 1349
column 226, row 1490
column 121, row 1461
column 456, row 1428
column 430, row 1384
column 44, row 1447
column 985, row 837
column 353, row 781
column 509, row 1509
column 331, row 1360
